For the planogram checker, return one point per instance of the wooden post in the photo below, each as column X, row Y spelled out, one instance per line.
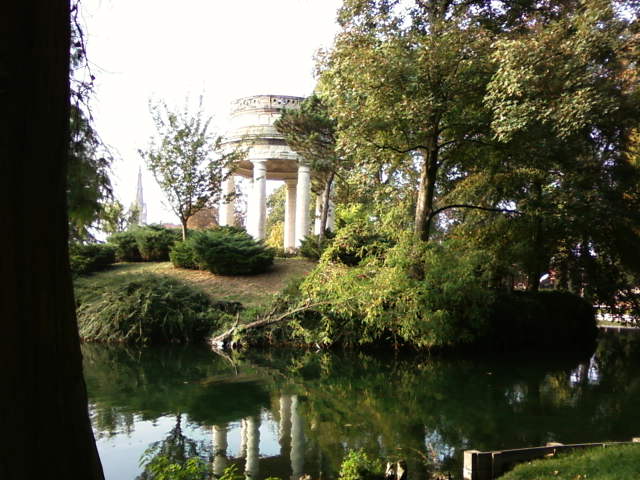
column 477, row 465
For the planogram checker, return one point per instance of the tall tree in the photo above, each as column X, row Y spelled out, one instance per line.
column 565, row 98
column 88, row 184
column 310, row 131
column 182, row 160
column 44, row 407
column 408, row 78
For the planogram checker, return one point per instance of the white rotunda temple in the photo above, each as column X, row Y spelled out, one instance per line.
column 268, row 158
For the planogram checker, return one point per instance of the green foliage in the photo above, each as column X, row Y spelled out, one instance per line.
column 459, row 112
column 434, row 295
column 88, row 185
column 231, row 473
column 311, row 132
column 358, row 237
column 358, row 465
column 611, row 463
column 92, row 257
column 381, row 301
column 145, row 309
column 161, row 468
column 116, row 219
column 154, row 242
column 126, row 246
column 186, row 160
column 274, row 226
column 230, row 251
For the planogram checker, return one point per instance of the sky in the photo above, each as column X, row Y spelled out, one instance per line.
column 177, row 50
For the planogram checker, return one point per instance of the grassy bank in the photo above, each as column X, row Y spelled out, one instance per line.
column 611, row 463
column 251, row 290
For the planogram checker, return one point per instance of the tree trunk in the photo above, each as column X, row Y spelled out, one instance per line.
column 183, row 222
column 426, row 192
column 44, row 406
column 326, row 201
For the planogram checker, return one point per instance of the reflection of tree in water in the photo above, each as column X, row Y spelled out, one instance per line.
column 434, row 408
column 176, row 448
column 128, row 384
column 418, row 408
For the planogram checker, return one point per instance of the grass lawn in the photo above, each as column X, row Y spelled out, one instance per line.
column 250, row 290
column 611, row 463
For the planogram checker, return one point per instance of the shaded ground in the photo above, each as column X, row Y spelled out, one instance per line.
column 250, row 290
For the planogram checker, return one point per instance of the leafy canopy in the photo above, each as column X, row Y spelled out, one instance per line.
column 188, row 162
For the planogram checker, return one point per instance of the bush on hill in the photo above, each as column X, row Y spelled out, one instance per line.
column 229, row 251
column 182, row 255
column 126, row 246
column 154, row 242
column 147, row 309
column 150, row 243
column 89, row 258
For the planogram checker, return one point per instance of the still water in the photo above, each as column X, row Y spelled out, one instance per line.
column 288, row 413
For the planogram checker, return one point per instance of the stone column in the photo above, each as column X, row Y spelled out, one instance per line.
column 284, row 431
column 302, row 202
column 252, row 467
column 226, row 213
column 290, row 216
column 220, row 444
column 297, row 441
column 257, row 208
column 318, row 215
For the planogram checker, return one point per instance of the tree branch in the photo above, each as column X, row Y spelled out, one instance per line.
column 474, row 207
column 219, row 342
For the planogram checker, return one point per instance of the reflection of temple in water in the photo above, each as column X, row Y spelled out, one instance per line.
column 290, row 435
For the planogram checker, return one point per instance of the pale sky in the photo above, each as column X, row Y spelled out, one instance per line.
column 174, row 49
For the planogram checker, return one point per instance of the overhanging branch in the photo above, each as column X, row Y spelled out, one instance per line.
column 473, row 207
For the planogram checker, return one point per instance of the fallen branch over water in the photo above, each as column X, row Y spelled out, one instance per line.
column 225, row 339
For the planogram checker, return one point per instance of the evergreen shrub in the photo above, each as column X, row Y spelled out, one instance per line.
column 230, row 251
column 312, row 249
column 126, row 246
column 155, row 241
column 89, row 258
column 182, row 255
column 146, row 309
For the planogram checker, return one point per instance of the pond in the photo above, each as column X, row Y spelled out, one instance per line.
column 283, row 414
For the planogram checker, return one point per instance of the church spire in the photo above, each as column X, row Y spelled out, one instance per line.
column 139, row 203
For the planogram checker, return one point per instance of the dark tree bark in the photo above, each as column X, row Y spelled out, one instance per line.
column 43, row 414
column 326, row 202
column 426, row 191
